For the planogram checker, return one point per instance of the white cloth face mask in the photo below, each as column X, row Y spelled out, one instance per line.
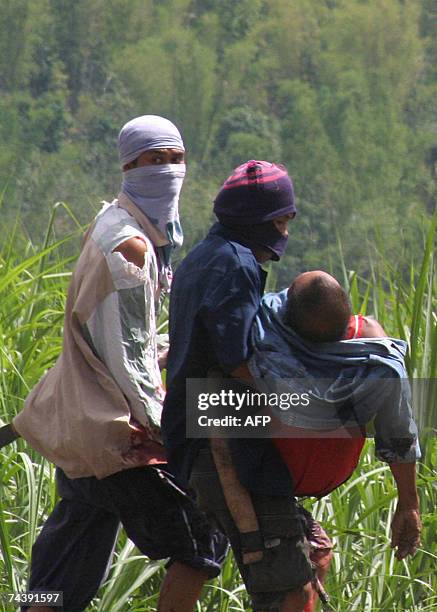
column 155, row 190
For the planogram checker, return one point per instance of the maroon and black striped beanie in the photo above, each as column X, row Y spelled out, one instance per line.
column 256, row 192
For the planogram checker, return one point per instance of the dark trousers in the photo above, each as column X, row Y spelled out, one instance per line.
column 74, row 549
column 73, row 552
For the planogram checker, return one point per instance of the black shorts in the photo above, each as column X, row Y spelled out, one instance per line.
column 74, row 548
column 159, row 518
column 284, row 526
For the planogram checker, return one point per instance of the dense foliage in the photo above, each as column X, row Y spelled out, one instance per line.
column 340, row 91
column 343, row 93
column 364, row 577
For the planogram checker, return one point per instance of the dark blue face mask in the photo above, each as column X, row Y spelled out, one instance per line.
column 260, row 235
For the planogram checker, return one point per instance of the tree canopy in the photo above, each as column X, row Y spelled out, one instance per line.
column 342, row 92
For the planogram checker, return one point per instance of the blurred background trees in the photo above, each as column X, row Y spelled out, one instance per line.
column 341, row 92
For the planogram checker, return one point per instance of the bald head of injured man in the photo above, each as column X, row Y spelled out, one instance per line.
column 318, row 308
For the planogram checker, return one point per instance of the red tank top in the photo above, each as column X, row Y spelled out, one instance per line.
column 319, row 465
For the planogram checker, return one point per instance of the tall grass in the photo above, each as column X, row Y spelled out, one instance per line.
column 365, row 575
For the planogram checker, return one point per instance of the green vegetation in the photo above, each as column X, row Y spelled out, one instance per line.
column 343, row 93
column 364, row 575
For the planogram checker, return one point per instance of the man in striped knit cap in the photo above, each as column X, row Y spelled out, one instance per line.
column 216, row 294
column 244, row 485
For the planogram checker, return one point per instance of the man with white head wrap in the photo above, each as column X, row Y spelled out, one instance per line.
column 153, row 141
column 96, row 413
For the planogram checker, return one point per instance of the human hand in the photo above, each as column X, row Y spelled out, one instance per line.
column 406, row 527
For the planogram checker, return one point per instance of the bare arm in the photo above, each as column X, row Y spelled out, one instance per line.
column 405, row 477
column 237, row 498
column 406, row 525
column 133, row 250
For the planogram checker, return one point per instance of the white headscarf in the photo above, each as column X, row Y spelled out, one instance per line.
column 154, row 189
column 144, row 133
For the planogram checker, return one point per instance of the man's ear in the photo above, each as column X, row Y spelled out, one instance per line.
column 372, row 329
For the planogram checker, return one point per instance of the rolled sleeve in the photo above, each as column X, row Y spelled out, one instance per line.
column 396, row 434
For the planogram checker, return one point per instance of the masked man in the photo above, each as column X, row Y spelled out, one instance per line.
column 247, row 485
column 215, row 297
column 96, row 413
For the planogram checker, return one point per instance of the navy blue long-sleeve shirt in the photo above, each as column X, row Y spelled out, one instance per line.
column 216, row 293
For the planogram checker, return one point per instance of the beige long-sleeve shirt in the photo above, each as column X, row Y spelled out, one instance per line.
column 98, row 410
